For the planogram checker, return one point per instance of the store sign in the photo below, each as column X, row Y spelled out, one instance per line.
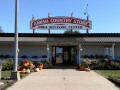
column 61, row 23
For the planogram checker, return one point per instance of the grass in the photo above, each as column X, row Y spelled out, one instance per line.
column 5, row 74
column 7, row 83
column 107, row 73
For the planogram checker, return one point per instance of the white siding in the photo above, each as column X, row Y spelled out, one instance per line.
column 7, row 50
column 29, row 51
column 39, row 50
column 33, row 50
column 92, row 50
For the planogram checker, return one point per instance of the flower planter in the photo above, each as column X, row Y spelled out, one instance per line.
column 82, row 67
column 40, row 66
column 23, row 71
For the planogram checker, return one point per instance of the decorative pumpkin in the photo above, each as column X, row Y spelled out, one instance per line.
column 23, row 71
column 25, row 65
column 28, row 71
column 30, row 64
column 19, row 69
column 40, row 65
column 36, row 69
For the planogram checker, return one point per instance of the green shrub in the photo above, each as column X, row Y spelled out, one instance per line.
column 35, row 57
column 1, row 56
column 86, row 61
column 97, row 56
column 85, row 56
column 24, row 56
column 105, row 65
column 8, row 65
column 6, row 56
column 91, row 56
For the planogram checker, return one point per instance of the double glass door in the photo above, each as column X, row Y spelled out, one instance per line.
column 65, row 55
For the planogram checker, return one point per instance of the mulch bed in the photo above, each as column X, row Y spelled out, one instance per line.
column 7, row 83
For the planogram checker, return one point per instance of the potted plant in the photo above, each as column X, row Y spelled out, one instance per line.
column 1, row 56
column 86, row 56
column 85, row 62
column 24, row 56
column 40, row 65
column 34, row 57
column 6, row 56
column 44, row 56
column 97, row 56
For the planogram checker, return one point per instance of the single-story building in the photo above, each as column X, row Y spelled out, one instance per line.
column 62, row 48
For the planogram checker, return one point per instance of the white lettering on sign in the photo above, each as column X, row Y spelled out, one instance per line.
column 64, row 20
column 60, row 23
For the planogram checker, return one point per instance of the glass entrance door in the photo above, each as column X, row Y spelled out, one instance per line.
column 64, row 54
column 59, row 55
column 73, row 55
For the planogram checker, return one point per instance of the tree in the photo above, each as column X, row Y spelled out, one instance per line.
column 76, row 32
column 73, row 32
column 1, row 30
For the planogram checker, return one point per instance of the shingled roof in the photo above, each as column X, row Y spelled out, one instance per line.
column 61, row 35
column 83, row 37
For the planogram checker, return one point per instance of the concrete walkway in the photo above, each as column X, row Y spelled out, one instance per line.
column 63, row 79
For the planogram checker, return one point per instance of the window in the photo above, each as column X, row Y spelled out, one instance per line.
column 108, row 51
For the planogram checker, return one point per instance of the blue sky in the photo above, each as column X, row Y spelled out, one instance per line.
column 104, row 14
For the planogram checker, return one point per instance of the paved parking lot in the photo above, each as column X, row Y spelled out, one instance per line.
column 63, row 79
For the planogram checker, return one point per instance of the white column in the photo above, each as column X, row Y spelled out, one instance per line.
column 113, row 51
column 48, row 49
column 79, row 54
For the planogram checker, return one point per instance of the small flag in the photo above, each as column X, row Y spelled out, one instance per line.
column 86, row 10
column 72, row 14
column 32, row 18
column 48, row 14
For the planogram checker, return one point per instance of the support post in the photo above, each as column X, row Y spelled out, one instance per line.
column 49, row 31
column 15, row 74
column 113, row 51
column 48, row 17
column 87, row 31
column 79, row 53
column 71, row 31
column 48, row 51
column 33, row 30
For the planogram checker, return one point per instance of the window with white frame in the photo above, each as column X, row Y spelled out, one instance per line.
column 108, row 51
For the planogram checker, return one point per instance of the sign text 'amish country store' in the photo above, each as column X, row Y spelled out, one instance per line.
column 60, row 23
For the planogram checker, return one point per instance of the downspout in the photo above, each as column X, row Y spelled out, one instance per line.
column 113, row 51
column 79, row 54
column 48, row 51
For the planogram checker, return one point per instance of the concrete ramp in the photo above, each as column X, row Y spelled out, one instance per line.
column 64, row 79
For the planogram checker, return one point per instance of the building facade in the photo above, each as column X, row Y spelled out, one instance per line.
column 62, row 48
